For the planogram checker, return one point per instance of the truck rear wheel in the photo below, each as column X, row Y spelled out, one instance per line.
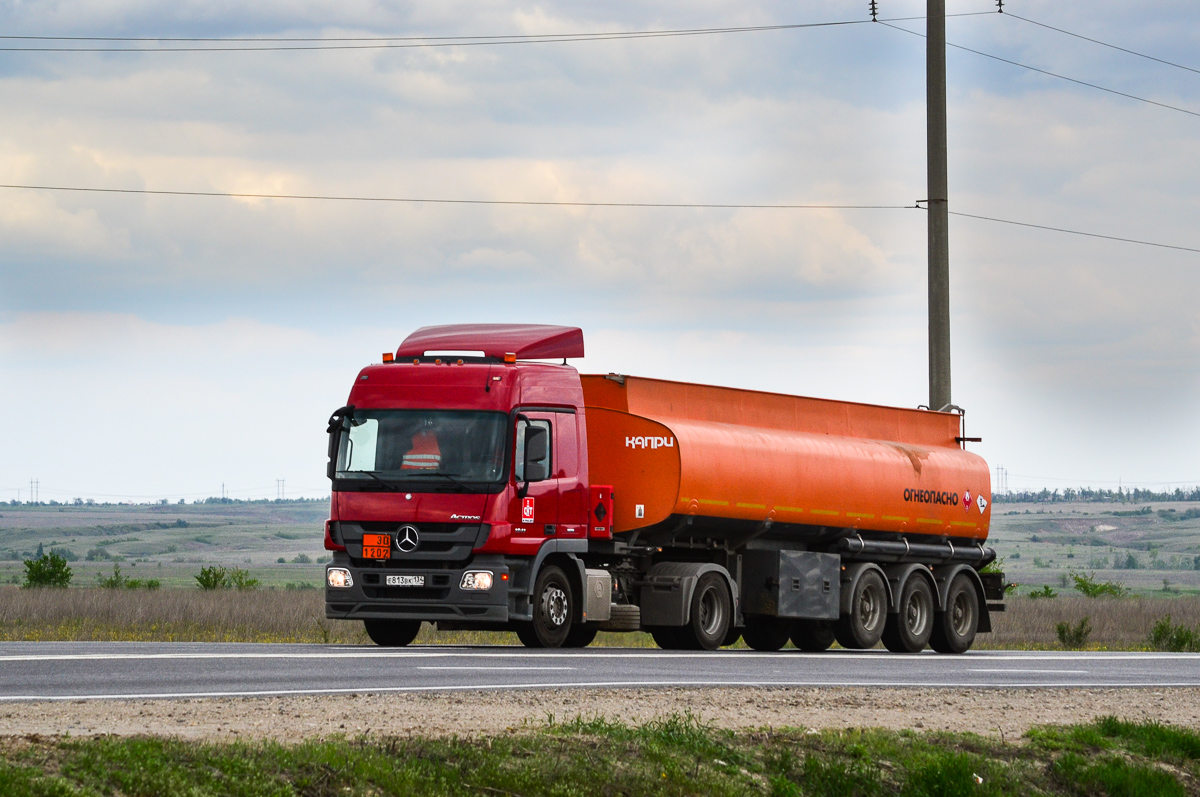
column 908, row 630
column 712, row 613
column 669, row 637
column 954, row 629
column 766, row 633
column 392, row 633
column 553, row 608
column 812, row 636
column 581, row 635
column 862, row 628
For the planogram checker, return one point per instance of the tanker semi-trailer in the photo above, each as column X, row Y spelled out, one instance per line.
column 477, row 484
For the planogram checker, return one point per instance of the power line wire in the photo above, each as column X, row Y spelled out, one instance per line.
column 1076, row 232
column 1101, row 43
column 427, row 200
column 401, row 42
column 1052, row 74
column 536, row 203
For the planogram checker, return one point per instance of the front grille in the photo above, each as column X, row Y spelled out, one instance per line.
column 441, row 544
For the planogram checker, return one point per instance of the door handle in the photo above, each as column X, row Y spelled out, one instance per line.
column 550, row 529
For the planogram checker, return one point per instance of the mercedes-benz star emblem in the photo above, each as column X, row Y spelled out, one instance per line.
column 407, row 539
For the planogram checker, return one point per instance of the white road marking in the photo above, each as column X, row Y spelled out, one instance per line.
column 585, row 685
column 524, row 653
column 538, row 667
column 1021, row 669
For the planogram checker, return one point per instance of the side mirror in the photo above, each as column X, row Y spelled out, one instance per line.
column 537, row 444
column 334, row 430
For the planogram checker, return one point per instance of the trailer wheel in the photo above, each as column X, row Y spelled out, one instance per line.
column 862, row 628
column 553, row 607
column 908, row 630
column 954, row 629
column 392, row 633
column 581, row 635
column 766, row 633
column 812, row 636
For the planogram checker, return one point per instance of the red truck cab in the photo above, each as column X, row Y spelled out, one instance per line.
column 432, row 515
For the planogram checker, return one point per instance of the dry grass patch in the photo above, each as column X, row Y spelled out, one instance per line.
column 1117, row 623
column 192, row 615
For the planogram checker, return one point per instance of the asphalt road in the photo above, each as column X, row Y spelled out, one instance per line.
column 95, row 670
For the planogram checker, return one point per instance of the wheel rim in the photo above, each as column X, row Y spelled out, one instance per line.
column 961, row 614
column 869, row 607
column 711, row 613
column 554, row 605
column 916, row 613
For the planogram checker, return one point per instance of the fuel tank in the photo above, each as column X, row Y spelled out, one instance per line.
column 673, row 449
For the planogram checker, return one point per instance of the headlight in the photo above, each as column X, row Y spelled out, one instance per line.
column 476, row 579
column 339, row 577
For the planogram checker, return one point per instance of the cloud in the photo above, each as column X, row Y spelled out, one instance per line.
column 280, row 300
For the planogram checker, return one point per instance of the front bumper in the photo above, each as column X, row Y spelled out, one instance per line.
column 440, row 600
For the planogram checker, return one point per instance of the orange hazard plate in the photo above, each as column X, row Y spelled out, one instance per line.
column 377, row 546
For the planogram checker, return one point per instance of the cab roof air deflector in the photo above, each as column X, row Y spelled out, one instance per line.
column 527, row 341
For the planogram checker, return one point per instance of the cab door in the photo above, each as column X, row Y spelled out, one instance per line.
column 535, row 515
column 572, row 492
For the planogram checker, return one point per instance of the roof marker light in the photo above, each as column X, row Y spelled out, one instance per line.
column 388, row 357
column 416, row 361
column 510, row 357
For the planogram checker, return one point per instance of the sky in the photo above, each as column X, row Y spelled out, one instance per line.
column 173, row 347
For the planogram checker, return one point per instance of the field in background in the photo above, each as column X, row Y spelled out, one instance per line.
column 1150, row 548
column 1041, row 544
column 189, row 615
column 170, row 542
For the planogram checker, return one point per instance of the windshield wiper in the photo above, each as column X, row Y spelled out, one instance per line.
column 375, row 476
column 452, row 477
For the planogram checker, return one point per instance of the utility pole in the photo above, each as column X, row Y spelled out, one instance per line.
column 938, row 213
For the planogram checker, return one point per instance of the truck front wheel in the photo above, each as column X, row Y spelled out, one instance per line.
column 553, row 608
column 954, row 629
column 392, row 633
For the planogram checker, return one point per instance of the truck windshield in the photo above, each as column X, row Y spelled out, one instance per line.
column 422, row 446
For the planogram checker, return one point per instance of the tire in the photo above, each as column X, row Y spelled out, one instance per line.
column 581, row 635
column 909, row 629
column 766, row 633
column 731, row 637
column 954, row 629
column 862, row 628
column 669, row 637
column 812, row 636
column 553, row 609
column 392, row 633
column 711, row 615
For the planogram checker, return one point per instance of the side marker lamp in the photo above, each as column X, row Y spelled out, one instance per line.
column 476, row 579
column 339, row 577
column 510, row 357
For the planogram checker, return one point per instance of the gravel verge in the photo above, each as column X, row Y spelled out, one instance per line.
column 994, row 712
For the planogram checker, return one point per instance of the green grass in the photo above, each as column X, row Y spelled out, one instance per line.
column 674, row 756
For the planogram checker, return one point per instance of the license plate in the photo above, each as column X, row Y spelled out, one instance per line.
column 406, row 581
column 377, row 546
